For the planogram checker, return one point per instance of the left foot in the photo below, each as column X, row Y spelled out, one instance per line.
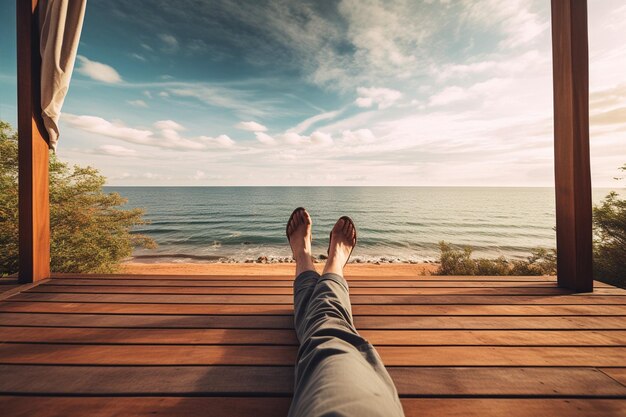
column 342, row 242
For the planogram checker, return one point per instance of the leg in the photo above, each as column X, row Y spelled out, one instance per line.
column 299, row 233
column 338, row 372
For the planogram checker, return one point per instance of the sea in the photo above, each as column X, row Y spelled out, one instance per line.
column 395, row 224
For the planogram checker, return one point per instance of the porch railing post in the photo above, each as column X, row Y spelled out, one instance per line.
column 34, row 209
column 571, row 145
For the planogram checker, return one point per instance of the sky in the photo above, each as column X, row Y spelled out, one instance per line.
column 327, row 92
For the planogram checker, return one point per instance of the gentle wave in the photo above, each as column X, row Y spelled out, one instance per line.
column 206, row 224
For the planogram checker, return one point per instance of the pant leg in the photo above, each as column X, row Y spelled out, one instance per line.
column 303, row 287
column 338, row 373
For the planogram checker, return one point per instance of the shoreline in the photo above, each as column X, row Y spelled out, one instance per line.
column 284, row 268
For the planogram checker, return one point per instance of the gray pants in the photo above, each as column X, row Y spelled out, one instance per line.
column 338, row 373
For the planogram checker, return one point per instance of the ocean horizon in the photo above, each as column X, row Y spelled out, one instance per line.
column 395, row 224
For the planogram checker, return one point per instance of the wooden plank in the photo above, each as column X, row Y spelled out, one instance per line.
column 271, row 380
column 288, row 299
column 574, row 237
column 416, row 296
column 272, row 277
column 273, row 407
column 57, row 354
column 144, row 406
column 161, row 336
column 618, row 374
column 179, row 283
column 34, row 210
column 92, row 335
column 164, row 321
column 518, row 407
column 20, row 288
column 13, row 306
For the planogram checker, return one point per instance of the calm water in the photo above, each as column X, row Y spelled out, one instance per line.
column 405, row 223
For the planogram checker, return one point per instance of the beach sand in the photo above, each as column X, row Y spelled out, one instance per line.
column 387, row 270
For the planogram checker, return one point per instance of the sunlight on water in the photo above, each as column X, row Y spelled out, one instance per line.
column 403, row 223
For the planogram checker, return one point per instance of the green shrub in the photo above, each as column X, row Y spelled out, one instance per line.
column 609, row 220
column 88, row 230
column 454, row 261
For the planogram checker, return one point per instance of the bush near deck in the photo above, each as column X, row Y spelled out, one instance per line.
column 455, row 261
column 88, row 230
column 609, row 220
column 609, row 251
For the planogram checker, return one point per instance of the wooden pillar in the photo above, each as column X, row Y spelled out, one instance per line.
column 34, row 209
column 571, row 145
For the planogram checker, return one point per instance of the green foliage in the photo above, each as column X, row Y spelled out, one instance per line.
column 609, row 220
column 89, row 232
column 454, row 261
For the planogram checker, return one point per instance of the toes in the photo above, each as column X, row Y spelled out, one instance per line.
column 339, row 225
column 346, row 227
column 298, row 218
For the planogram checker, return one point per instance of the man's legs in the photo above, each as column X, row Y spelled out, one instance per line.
column 338, row 373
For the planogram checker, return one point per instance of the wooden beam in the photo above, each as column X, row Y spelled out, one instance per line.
column 571, row 144
column 34, row 210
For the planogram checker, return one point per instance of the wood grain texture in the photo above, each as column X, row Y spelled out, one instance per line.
column 179, row 336
column 354, row 284
column 618, row 374
column 272, row 407
column 173, row 321
column 270, row 380
column 71, row 305
column 34, row 209
column 465, row 345
column 67, row 354
column 571, row 144
column 290, row 278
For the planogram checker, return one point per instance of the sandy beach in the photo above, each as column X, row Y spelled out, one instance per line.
column 398, row 269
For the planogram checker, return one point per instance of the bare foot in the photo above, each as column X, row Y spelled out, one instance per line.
column 300, row 237
column 342, row 241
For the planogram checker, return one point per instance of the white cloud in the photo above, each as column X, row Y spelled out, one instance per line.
column 358, row 137
column 517, row 20
column 264, row 138
column 168, row 125
column 137, row 103
column 167, row 135
column 251, row 126
column 198, row 175
column 304, row 125
column 222, row 141
column 383, row 97
column 449, row 95
column 497, row 66
column 115, row 150
column 98, row 71
column 243, row 102
column 482, row 90
column 103, row 127
column 170, row 43
column 293, row 138
column 321, row 139
column 138, row 57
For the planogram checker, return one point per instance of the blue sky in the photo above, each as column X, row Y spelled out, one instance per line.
column 342, row 92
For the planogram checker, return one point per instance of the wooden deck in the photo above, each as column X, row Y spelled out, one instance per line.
column 225, row 346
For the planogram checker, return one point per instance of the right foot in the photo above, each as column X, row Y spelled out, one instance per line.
column 342, row 242
column 300, row 237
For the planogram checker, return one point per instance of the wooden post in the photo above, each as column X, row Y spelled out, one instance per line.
column 34, row 209
column 571, row 145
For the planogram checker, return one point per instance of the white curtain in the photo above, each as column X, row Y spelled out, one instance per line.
column 60, row 24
